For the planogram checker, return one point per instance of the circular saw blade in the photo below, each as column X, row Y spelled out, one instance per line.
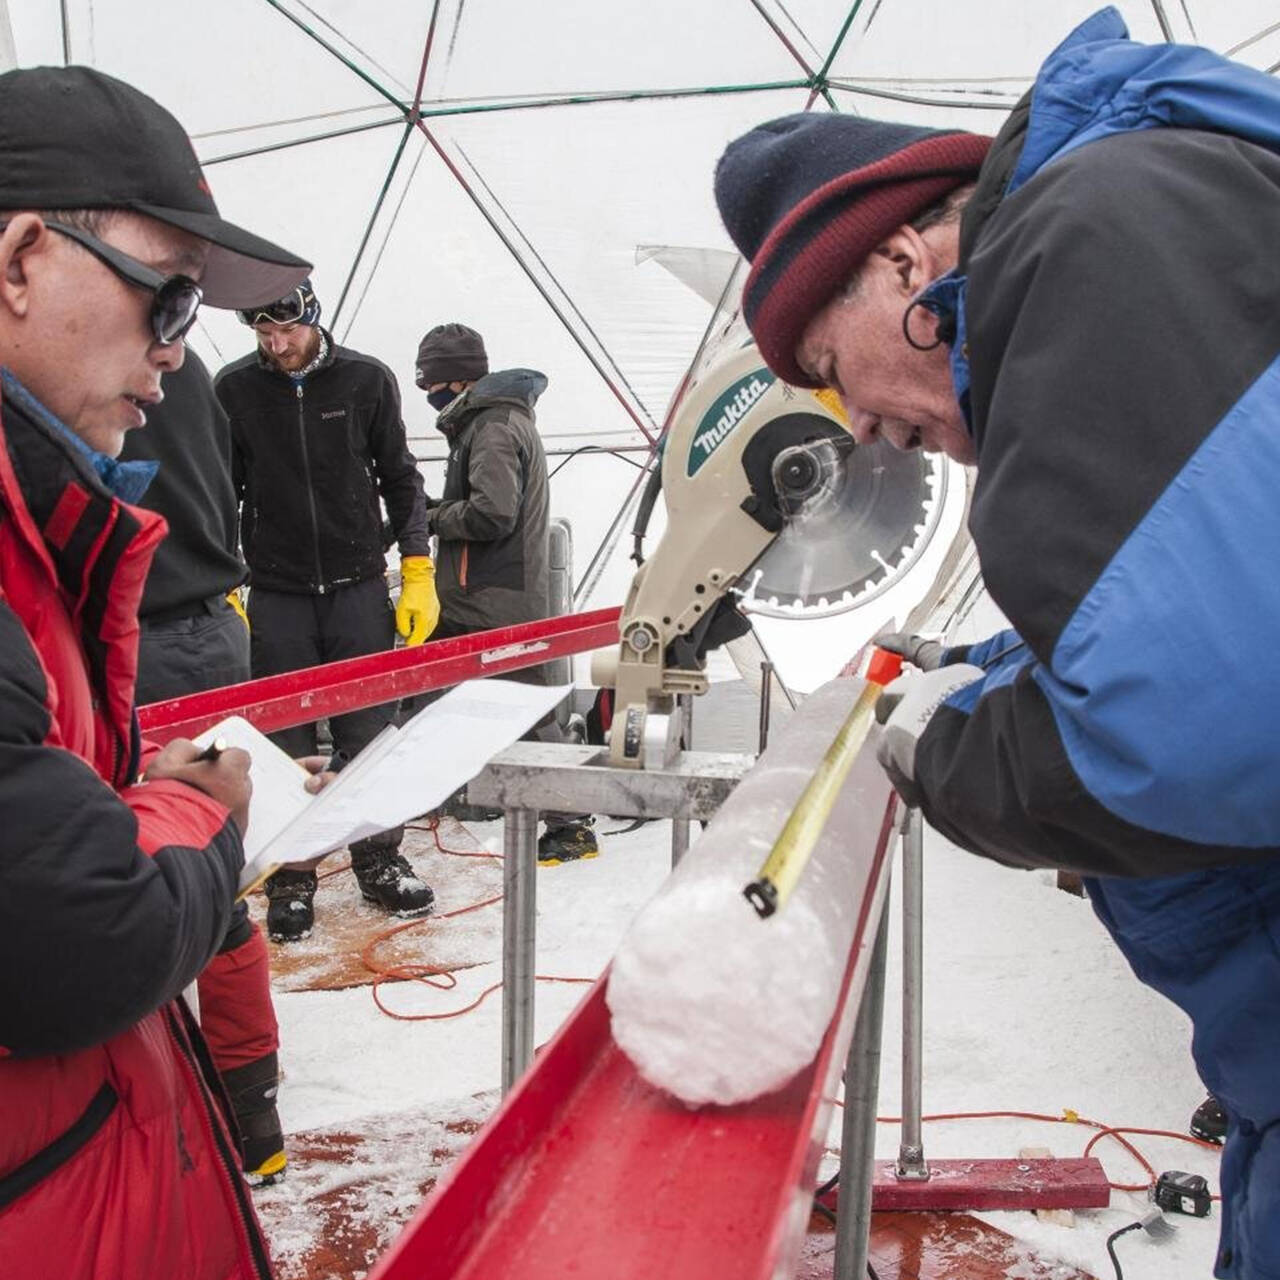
column 860, row 516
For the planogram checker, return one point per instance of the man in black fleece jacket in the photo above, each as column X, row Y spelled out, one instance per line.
column 318, row 445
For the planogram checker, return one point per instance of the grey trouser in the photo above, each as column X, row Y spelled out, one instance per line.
column 205, row 649
column 289, row 632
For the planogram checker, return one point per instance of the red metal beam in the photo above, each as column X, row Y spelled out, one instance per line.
column 298, row 697
column 586, row 1170
column 1042, row 1183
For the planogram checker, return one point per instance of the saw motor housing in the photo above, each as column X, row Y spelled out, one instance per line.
column 744, row 450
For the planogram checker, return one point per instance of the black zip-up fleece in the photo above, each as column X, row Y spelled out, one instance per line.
column 189, row 436
column 310, row 461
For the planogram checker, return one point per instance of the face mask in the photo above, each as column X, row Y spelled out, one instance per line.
column 442, row 399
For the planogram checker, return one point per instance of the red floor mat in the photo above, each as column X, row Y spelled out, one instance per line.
column 348, row 1194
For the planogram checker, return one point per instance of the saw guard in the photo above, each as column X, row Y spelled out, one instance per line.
column 767, row 498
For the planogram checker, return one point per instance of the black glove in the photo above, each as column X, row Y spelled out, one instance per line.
column 917, row 650
column 431, row 505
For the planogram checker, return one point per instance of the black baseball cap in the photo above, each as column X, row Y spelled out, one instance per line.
column 74, row 138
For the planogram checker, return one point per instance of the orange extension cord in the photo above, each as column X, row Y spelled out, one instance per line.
column 1072, row 1117
column 442, row 979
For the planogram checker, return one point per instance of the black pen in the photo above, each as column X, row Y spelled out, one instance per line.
column 212, row 751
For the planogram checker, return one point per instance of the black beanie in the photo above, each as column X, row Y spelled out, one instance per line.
column 451, row 353
column 807, row 197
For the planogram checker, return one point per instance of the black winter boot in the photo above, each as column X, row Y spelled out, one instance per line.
column 290, row 914
column 568, row 843
column 1209, row 1123
column 386, row 878
column 252, row 1089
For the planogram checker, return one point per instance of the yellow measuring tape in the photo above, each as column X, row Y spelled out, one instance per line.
column 796, row 842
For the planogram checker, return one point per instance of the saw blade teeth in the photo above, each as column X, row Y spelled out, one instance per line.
column 822, row 565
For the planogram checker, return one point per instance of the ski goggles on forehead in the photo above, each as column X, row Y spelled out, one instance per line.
column 287, row 311
column 175, row 300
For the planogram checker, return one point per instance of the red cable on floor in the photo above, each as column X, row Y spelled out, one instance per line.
column 423, row 973
column 1070, row 1117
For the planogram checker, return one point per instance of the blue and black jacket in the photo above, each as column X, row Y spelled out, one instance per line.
column 1117, row 350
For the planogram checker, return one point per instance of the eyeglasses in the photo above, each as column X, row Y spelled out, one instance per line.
column 175, row 300
column 287, row 311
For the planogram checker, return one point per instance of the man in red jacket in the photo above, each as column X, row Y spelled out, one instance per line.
column 120, row 864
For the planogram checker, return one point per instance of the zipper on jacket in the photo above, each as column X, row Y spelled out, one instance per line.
column 311, row 494
column 229, row 1160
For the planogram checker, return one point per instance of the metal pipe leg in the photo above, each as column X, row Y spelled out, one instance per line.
column 680, row 826
column 679, row 840
column 858, row 1137
column 519, row 872
column 685, row 702
column 911, row 1162
column 766, row 703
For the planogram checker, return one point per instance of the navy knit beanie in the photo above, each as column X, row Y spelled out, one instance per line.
column 807, row 197
column 451, row 353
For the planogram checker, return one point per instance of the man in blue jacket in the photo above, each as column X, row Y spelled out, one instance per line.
column 1088, row 307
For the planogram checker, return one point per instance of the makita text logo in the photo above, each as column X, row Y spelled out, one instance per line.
column 725, row 414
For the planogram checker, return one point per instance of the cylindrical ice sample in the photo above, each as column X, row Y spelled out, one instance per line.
column 709, row 1001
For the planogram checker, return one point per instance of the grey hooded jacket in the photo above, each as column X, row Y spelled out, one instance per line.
column 491, row 523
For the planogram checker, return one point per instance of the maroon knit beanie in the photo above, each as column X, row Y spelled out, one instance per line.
column 807, row 197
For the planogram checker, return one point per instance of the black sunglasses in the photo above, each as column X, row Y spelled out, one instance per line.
column 287, row 311
column 175, row 300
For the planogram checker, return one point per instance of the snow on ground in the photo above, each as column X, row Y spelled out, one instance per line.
column 1028, row 1007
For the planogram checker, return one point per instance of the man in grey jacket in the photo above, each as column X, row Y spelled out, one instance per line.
column 491, row 522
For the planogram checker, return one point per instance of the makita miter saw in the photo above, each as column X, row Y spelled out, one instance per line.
column 771, row 508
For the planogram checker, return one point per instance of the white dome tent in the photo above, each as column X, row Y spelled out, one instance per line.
column 503, row 163
column 543, row 172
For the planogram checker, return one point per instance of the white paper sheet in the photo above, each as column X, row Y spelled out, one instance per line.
column 402, row 773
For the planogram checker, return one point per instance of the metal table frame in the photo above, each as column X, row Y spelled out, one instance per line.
column 530, row 777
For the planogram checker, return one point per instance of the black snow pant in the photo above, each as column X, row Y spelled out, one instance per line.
column 290, row 631
column 201, row 646
column 546, row 730
column 205, row 645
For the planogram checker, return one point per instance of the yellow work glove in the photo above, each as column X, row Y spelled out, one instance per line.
column 419, row 607
column 233, row 599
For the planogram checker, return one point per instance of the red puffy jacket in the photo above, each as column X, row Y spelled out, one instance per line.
column 115, row 1161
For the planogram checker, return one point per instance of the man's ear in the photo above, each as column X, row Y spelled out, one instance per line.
column 24, row 237
column 909, row 260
